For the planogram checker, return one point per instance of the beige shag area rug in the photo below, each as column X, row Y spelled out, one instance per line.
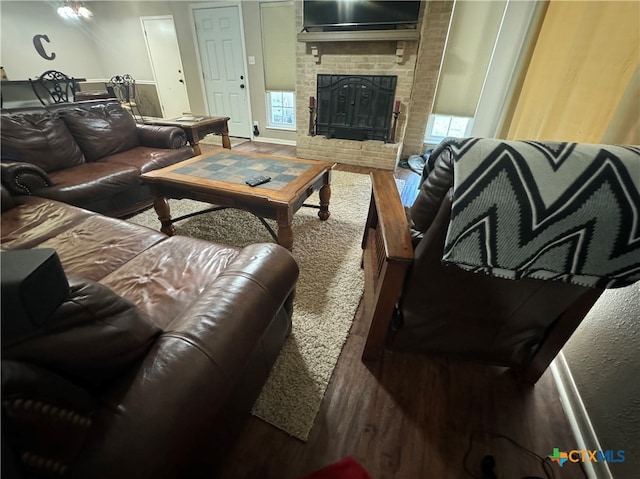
column 328, row 291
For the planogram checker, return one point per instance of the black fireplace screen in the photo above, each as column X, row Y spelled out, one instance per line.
column 355, row 107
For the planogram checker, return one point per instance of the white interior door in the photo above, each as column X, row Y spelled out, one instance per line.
column 222, row 58
column 162, row 44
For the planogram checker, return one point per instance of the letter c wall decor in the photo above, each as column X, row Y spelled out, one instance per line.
column 37, row 42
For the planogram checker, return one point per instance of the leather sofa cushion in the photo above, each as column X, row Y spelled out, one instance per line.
column 101, row 130
column 81, row 184
column 34, row 220
column 93, row 337
column 164, row 279
column 148, row 159
column 99, row 245
column 39, row 138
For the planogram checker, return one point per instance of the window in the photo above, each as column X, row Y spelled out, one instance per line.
column 467, row 56
column 278, row 22
column 441, row 126
column 281, row 110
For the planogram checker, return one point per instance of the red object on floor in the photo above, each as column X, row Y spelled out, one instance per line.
column 346, row 468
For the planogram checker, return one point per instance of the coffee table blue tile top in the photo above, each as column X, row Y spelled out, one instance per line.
column 235, row 168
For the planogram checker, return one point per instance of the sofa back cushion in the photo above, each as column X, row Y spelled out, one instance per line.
column 39, row 138
column 101, row 130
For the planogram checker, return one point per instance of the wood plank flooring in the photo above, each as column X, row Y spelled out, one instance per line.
column 413, row 417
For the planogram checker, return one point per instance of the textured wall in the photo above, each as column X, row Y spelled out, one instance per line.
column 604, row 358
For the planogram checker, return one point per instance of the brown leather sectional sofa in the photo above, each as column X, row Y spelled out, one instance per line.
column 151, row 364
column 89, row 154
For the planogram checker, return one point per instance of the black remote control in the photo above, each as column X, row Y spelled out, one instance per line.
column 258, row 180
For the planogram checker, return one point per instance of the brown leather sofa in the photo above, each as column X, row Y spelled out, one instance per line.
column 89, row 154
column 152, row 363
column 417, row 302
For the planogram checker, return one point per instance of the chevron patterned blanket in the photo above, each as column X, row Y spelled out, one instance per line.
column 559, row 211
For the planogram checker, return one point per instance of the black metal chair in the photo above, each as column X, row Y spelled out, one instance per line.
column 124, row 88
column 54, row 87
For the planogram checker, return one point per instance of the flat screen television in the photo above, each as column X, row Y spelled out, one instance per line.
column 359, row 14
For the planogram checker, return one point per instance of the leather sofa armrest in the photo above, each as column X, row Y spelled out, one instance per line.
column 93, row 337
column 21, row 178
column 239, row 304
column 46, row 419
column 155, row 136
column 190, row 370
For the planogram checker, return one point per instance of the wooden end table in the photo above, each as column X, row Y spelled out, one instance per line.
column 219, row 178
column 197, row 127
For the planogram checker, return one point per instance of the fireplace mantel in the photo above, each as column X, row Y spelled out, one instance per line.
column 399, row 36
column 360, row 36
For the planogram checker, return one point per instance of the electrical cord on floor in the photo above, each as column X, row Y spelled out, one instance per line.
column 488, row 462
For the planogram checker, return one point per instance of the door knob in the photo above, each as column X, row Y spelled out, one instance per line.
column 181, row 81
column 241, row 85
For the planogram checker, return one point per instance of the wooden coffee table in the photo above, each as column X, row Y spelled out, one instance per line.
column 197, row 127
column 219, row 178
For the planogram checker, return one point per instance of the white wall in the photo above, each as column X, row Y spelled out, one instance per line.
column 119, row 39
column 72, row 43
column 603, row 357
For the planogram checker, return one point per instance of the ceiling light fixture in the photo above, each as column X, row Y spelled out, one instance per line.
column 74, row 10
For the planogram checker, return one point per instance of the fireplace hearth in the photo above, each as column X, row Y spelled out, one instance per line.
column 355, row 107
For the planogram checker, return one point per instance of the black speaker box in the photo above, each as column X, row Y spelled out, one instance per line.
column 33, row 286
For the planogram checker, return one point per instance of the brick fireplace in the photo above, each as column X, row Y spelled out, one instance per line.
column 416, row 72
column 353, row 58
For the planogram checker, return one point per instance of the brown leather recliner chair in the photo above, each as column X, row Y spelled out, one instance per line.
column 424, row 295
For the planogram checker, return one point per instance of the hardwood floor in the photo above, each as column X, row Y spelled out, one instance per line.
column 413, row 417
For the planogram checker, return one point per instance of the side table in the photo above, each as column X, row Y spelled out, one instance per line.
column 197, row 127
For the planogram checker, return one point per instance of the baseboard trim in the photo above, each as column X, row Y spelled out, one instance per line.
column 578, row 417
column 275, row 141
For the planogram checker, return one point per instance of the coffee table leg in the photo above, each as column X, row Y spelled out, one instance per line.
column 325, row 196
column 285, row 231
column 161, row 205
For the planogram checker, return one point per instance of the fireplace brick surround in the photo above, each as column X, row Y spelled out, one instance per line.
column 416, row 68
